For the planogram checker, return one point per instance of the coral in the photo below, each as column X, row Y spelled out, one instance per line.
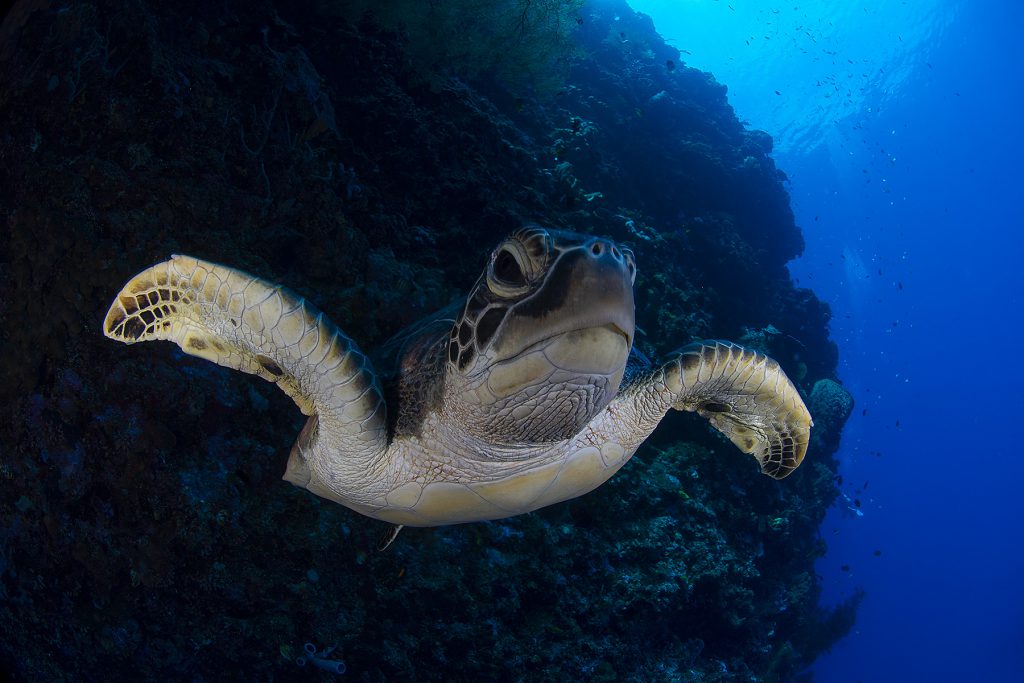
column 520, row 42
column 830, row 405
column 320, row 659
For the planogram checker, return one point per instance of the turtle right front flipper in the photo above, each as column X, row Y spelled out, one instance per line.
column 743, row 394
column 242, row 322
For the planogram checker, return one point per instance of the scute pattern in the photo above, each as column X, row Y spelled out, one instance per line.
column 236, row 320
column 747, row 397
column 464, row 344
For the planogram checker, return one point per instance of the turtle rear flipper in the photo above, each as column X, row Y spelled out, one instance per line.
column 746, row 396
column 242, row 322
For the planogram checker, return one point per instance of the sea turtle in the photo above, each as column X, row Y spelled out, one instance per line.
column 528, row 394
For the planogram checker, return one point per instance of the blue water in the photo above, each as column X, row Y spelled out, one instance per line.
column 899, row 125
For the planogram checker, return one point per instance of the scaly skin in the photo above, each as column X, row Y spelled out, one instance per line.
column 247, row 324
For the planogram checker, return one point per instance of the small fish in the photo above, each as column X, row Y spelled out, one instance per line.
column 845, row 567
column 777, row 92
column 856, row 501
column 670, row 65
column 900, row 285
column 878, row 553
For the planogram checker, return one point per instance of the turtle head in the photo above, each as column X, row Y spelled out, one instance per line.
column 542, row 342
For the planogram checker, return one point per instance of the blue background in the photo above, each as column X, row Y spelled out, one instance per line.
column 899, row 126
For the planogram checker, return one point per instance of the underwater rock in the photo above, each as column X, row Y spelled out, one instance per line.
column 145, row 533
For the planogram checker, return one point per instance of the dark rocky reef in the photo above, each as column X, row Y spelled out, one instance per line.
column 145, row 533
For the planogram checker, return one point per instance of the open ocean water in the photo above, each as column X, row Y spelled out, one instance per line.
column 898, row 124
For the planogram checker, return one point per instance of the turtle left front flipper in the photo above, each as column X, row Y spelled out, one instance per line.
column 743, row 394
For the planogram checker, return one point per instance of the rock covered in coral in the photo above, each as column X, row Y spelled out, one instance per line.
column 145, row 532
column 830, row 405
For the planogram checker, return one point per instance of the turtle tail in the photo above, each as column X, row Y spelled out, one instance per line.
column 242, row 322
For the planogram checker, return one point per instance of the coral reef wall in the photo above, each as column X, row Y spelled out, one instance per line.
column 145, row 533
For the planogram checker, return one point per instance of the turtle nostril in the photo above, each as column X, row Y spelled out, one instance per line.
column 597, row 249
column 616, row 253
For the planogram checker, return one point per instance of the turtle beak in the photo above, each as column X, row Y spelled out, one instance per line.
column 629, row 338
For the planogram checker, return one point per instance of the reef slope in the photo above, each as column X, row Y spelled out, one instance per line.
column 145, row 533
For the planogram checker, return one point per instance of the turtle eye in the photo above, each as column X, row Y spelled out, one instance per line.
column 511, row 270
column 505, row 275
column 506, row 269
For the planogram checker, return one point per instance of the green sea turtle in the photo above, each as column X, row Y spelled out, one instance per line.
column 528, row 395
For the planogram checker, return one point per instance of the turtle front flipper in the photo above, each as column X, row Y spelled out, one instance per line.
column 746, row 396
column 245, row 323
